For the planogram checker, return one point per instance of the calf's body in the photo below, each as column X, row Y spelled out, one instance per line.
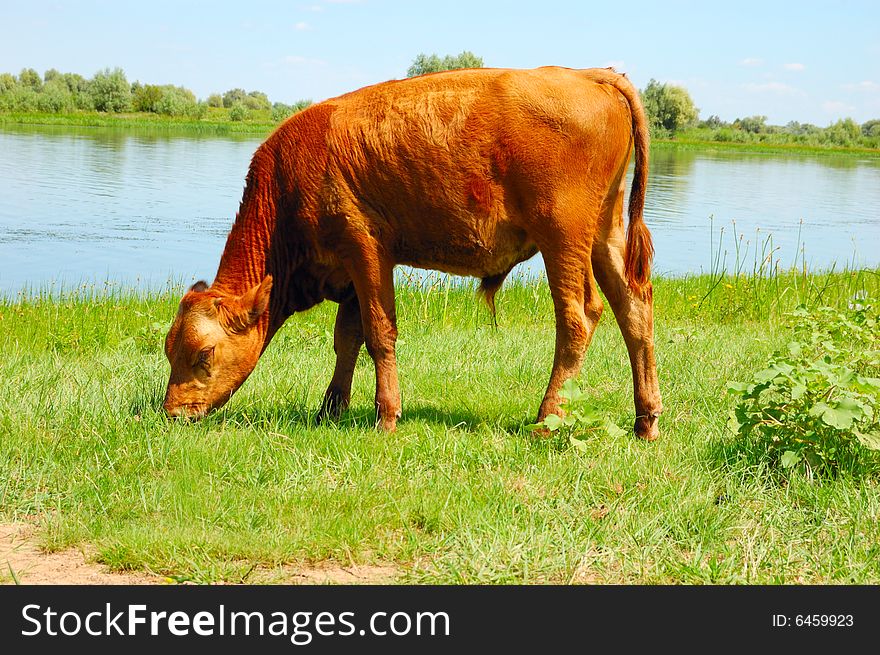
column 468, row 172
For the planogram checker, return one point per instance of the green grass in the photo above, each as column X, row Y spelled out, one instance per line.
column 217, row 121
column 462, row 493
column 687, row 142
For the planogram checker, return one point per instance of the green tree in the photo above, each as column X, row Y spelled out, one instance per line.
column 55, row 97
column 257, row 101
column 145, row 97
column 753, row 124
column 424, row 64
column 7, row 82
column 30, row 78
column 176, row 101
column 669, row 107
column 845, row 132
column 232, row 96
column 871, row 128
column 51, row 74
column 110, row 90
column 713, row 122
column 215, row 100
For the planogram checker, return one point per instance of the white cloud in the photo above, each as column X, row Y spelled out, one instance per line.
column 866, row 86
column 302, row 26
column 794, row 67
column 751, row 61
column 775, row 88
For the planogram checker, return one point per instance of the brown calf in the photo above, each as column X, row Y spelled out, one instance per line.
column 469, row 172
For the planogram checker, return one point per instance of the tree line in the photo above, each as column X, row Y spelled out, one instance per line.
column 109, row 91
column 670, row 108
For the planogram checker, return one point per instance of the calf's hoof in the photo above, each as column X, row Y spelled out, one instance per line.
column 647, row 426
column 388, row 423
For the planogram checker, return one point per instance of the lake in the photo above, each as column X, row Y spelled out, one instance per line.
column 91, row 206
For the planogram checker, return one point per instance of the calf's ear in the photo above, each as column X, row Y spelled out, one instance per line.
column 256, row 300
column 239, row 313
column 199, row 286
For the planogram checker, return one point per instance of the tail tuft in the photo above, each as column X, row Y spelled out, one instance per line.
column 637, row 260
column 488, row 288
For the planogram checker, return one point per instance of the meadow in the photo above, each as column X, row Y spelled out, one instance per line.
column 463, row 492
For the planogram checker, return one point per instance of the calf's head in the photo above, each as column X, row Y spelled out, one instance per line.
column 212, row 346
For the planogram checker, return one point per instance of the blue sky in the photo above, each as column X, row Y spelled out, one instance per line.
column 806, row 61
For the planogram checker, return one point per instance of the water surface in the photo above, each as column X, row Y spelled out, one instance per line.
column 86, row 205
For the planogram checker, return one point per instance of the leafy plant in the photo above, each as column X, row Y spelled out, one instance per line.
column 817, row 403
column 579, row 421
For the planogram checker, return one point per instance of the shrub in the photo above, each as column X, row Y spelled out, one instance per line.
column 238, row 112
column 215, row 100
column 817, row 404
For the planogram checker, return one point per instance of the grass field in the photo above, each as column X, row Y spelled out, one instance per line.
column 463, row 492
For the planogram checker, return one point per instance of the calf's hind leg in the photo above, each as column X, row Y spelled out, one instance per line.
column 578, row 307
column 635, row 317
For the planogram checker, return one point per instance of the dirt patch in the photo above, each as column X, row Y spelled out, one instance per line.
column 328, row 573
column 21, row 558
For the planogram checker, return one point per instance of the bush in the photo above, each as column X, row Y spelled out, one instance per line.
column 238, row 112
column 110, row 91
column 817, row 404
column 215, row 100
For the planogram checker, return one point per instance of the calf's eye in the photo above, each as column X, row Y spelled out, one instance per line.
column 206, row 357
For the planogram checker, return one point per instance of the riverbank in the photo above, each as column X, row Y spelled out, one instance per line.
column 215, row 123
column 218, row 123
column 463, row 492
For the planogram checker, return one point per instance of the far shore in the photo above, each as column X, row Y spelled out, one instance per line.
column 215, row 125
